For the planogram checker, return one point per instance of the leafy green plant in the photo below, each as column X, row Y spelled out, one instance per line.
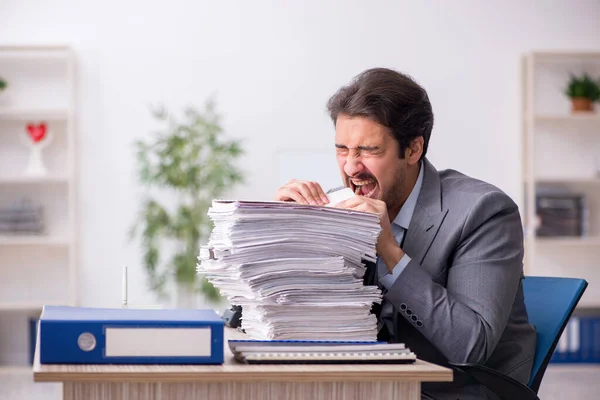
column 3, row 84
column 191, row 161
column 583, row 87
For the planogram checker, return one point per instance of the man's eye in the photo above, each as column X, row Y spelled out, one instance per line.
column 342, row 152
column 371, row 152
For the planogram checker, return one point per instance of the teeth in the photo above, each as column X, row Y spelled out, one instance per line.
column 363, row 182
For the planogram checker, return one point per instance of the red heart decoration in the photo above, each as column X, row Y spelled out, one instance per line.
column 36, row 132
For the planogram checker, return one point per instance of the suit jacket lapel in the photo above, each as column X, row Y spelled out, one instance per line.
column 427, row 217
column 423, row 229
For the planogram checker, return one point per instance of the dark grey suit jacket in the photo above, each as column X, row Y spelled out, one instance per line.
column 461, row 296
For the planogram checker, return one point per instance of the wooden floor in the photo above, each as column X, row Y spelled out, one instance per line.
column 560, row 382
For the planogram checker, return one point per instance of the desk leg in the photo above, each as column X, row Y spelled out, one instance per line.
column 242, row 390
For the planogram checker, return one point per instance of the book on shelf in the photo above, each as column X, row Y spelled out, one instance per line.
column 22, row 217
column 562, row 215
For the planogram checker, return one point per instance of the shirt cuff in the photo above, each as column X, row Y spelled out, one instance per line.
column 388, row 279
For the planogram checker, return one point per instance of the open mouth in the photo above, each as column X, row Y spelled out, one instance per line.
column 364, row 187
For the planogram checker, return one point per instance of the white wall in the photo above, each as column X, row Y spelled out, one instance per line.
column 273, row 65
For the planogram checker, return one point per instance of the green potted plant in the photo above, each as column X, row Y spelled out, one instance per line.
column 583, row 92
column 3, row 84
column 191, row 163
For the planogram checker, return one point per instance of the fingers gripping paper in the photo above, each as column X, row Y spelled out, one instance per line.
column 296, row 270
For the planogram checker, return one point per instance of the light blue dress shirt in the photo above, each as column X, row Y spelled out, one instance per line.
column 399, row 228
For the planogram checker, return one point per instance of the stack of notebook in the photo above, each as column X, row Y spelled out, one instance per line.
column 319, row 352
column 296, row 270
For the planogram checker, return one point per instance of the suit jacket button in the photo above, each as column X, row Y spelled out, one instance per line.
column 403, row 306
column 409, row 312
column 419, row 323
column 414, row 317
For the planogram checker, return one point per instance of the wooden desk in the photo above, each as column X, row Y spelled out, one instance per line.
column 237, row 381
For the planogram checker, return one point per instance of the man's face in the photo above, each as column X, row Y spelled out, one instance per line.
column 368, row 158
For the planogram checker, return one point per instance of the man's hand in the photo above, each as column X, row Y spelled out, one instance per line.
column 387, row 246
column 303, row 192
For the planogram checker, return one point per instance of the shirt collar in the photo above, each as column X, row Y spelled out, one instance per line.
column 406, row 212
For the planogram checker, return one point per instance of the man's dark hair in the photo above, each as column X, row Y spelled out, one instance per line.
column 389, row 98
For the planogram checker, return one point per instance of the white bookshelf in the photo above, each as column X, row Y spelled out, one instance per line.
column 561, row 153
column 36, row 269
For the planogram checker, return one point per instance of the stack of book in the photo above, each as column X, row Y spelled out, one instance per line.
column 21, row 218
column 562, row 214
column 296, row 270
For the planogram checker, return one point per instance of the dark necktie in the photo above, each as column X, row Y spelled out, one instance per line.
column 386, row 324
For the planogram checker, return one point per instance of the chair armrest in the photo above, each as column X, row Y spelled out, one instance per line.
column 504, row 386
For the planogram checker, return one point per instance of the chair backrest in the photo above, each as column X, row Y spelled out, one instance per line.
column 550, row 302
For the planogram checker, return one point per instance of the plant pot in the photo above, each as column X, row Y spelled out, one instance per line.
column 581, row 104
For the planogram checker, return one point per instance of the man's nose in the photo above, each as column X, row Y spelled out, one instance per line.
column 353, row 166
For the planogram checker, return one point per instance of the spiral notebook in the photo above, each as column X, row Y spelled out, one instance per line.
column 319, row 352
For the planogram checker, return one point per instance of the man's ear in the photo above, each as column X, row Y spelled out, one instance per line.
column 414, row 150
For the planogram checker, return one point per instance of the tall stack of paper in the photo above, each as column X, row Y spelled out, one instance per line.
column 296, row 270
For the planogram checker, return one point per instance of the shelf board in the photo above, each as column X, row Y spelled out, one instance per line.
column 16, row 369
column 32, row 240
column 24, row 180
column 550, row 180
column 27, row 305
column 578, row 117
column 22, row 114
column 565, row 55
column 568, row 241
column 25, row 52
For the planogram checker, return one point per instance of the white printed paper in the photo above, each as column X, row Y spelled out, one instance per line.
column 296, row 270
column 339, row 196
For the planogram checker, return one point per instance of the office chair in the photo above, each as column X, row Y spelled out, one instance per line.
column 550, row 303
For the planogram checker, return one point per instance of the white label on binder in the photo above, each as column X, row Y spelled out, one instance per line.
column 158, row 342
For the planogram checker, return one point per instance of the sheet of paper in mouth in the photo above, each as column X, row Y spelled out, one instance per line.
column 339, row 196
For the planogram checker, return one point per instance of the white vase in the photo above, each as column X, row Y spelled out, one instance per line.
column 35, row 166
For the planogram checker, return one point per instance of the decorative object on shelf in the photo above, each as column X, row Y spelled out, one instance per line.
column 583, row 92
column 189, row 163
column 36, row 137
column 23, row 217
column 3, row 86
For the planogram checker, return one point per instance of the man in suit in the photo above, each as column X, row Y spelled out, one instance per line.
column 450, row 252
